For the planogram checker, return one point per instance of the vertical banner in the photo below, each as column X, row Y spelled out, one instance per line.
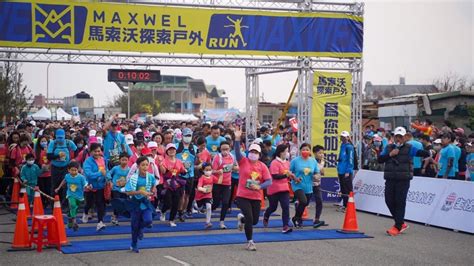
column 75, row 113
column 331, row 114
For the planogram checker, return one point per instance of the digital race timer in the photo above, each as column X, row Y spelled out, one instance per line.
column 131, row 75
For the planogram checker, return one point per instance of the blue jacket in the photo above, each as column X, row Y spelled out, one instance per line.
column 93, row 176
column 345, row 162
column 115, row 141
column 30, row 173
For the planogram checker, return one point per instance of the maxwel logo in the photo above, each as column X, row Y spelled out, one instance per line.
column 227, row 32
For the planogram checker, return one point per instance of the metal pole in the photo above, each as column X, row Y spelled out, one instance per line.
column 153, row 100
column 129, row 89
column 47, row 84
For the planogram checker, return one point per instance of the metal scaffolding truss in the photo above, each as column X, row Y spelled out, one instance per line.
column 254, row 65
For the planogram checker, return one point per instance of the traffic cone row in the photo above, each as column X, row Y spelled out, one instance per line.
column 21, row 238
column 58, row 214
column 24, row 200
column 350, row 221
column 38, row 204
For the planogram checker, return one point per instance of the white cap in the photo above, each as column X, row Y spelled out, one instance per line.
column 437, row 141
column 33, row 123
column 257, row 141
column 129, row 139
column 92, row 133
column 152, row 145
column 400, row 131
column 137, row 130
column 255, row 147
column 345, row 134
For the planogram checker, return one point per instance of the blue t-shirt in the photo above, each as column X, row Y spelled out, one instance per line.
column 235, row 174
column 304, row 169
column 457, row 156
column 446, row 153
column 141, row 185
column 188, row 160
column 62, row 150
column 117, row 174
column 470, row 165
column 416, row 160
column 345, row 162
column 75, row 186
column 214, row 144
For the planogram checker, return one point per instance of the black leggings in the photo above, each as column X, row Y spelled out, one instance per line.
column 233, row 188
column 346, row 186
column 171, row 202
column 97, row 198
column 221, row 193
column 318, row 198
column 303, row 201
column 44, row 184
column 189, row 208
column 251, row 211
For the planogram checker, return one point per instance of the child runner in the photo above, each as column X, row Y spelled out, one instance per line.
column 254, row 176
column 118, row 176
column 278, row 191
column 318, row 152
column 139, row 188
column 29, row 176
column 76, row 183
column 204, row 192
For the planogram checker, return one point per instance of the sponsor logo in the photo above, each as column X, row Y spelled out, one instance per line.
column 417, row 197
column 421, row 197
column 227, row 32
column 453, row 202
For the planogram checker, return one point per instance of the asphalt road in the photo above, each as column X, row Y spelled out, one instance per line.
column 419, row 245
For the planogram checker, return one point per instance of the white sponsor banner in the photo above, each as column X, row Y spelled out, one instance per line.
column 425, row 201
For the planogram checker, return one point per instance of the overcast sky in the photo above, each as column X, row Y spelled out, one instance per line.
column 420, row 40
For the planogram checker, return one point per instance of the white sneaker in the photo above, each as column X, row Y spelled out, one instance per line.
column 85, row 218
column 114, row 221
column 172, row 224
column 163, row 217
column 251, row 246
column 222, row 225
column 100, row 226
column 240, row 225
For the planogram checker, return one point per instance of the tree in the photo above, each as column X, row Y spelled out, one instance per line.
column 14, row 95
column 454, row 82
column 140, row 102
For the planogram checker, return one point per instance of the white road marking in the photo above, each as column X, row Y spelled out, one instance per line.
column 178, row 261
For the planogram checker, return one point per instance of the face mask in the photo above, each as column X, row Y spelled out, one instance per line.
column 377, row 143
column 225, row 153
column 80, row 145
column 30, row 162
column 305, row 154
column 99, row 140
column 379, row 133
column 207, row 173
column 437, row 147
column 253, row 156
column 187, row 139
column 44, row 144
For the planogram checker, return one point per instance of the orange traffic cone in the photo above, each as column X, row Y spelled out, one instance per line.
column 305, row 213
column 262, row 206
column 58, row 214
column 21, row 238
column 24, row 200
column 38, row 204
column 15, row 194
column 350, row 221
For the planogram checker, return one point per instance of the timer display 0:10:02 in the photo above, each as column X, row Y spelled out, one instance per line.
column 128, row 75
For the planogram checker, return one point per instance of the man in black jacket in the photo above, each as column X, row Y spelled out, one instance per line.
column 397, row 174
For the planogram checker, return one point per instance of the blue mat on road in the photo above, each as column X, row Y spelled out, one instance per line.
column 107, row 218
column 203, row 240
column 163, row 228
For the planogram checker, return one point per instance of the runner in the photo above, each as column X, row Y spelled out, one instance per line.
column 204, row 192
column 278, row 191
column 304, row 168
column 186, row 152
column 318, row 152
column 222, row 166
column 118, row 177
column 253, row 177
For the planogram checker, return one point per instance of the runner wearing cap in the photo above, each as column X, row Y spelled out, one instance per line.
column 214, row 140
column 130, row 143
column 397, row 174
column 171, row 169
column 345, row 166
column 186, row 152
column 253, row 177
column 114, row 143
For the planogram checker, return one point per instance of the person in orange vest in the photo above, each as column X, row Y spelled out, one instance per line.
column 426, row 128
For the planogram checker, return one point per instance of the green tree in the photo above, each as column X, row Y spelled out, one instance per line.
column 14, row 96
column 140, row 102
column 470, row 122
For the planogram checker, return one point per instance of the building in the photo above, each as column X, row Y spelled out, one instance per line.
column 380, row 92
column 438, row 107
column 82, row 100
column 183, row 94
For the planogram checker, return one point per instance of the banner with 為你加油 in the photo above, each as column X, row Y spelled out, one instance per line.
column 165, row 29
column 331, row 114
